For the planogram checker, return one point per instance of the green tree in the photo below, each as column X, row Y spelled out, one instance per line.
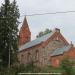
column 43, row 32
column 8, row 31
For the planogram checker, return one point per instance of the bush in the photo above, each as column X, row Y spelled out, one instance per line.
column 66, row 65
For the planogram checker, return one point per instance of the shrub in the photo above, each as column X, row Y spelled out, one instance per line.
column 66, row 65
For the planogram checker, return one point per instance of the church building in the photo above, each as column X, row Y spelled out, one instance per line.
column 47, row 50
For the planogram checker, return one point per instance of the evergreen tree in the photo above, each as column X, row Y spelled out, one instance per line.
column 8, row 31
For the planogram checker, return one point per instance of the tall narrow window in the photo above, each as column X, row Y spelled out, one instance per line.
column 22, row 58
column 37, row 55
column 28, row 57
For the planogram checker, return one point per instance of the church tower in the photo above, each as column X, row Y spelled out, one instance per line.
column 24, row 34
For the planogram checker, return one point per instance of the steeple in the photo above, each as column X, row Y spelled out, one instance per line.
column 24, row 34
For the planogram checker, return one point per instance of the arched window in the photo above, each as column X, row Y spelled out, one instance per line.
column 28, row 57
column 37, row 55
column 22, row 58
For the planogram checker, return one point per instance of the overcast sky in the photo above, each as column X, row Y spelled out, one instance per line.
column 66, row 22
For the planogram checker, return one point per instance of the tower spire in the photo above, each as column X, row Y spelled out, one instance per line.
column 25, row 21
column 24, row 34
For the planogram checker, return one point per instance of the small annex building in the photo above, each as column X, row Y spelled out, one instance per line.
column 49, row 49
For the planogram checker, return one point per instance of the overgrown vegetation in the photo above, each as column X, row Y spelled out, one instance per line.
column 68, row 66
column 20, row 68
column 31, row 68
